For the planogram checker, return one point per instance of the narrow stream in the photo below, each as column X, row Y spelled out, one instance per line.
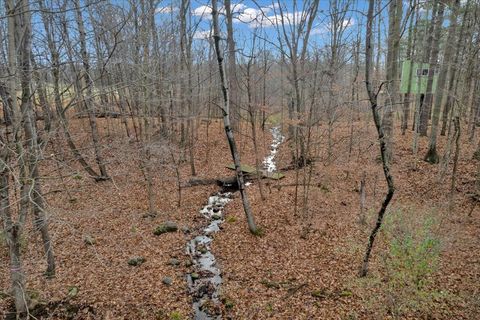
column 269, row 161
column 204, row 283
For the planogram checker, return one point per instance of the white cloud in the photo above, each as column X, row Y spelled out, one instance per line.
column 203, row 11
column 255, row 17
column 206, row 11
column 274, row 5
column 291, row 18
column 249, row 15
column 319, row 30
column 238, row 7
column 347, row 23
column 288, row 18
column 166, row 9
column 201, row 35
column 267, row 16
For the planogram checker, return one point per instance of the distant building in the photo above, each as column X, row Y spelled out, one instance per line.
column 419, row 77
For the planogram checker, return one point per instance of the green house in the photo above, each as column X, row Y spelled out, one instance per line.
column 419, row 77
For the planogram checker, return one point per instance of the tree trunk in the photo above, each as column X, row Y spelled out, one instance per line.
column 381, row 138
column 433, row 60
column 226, row 120
column 88, row 99
column 453, row 81
column 55, row 58
column 42, row 96
column 31, row 139
column 253, row 122
column 412, row 33
column 432, row 155
column 12, row 232
column 232, row 66
column 395, row 18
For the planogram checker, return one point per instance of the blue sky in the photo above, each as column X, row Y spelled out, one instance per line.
column 251, row 16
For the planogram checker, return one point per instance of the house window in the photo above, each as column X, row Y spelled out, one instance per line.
column 422, row 72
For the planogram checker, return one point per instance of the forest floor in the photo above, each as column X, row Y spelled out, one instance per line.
column 283, row 274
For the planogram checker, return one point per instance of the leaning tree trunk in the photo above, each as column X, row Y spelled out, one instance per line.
column 372, row 96
column 226, row 121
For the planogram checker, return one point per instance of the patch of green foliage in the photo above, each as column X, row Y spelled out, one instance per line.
column 175, row 315
column 3, row 239
column 324, row 188
column 231, row 219
column 275, row 119
column 77, row 176
column 270, row 284
column 244, row 167
column 260, row 232
column 165, row 228
column 227, row 302
column 72, row 291
column 269, row 307
column 408, row 263
column 3, row 295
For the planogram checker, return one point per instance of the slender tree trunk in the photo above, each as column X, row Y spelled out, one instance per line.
column 13, row 233
column 456, row 122
column 381, row 138
column 432, row 155
column 362, row 218
column 395, row 18
column 31, row 139
column 232, row 67
column 425, row 113
column 453, row 79
column 226, row 120
column 412, row 33
column 55, row 57
column 19, row 38
column 253, row 123
column 42, row 96
column 89, row 103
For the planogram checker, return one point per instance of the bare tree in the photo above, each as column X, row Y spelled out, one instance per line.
column 395, row 13
column 432, row 155
column 22, row 147
column 432, row 55
column 226, row 121
column 88, row 99
column 372, row 96
column 294, row 30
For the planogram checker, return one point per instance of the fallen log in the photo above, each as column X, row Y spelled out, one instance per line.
column 199, row 182
column 227, row 183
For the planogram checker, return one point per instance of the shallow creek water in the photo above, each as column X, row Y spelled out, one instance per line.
column 269, row 161
column 204, row 283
